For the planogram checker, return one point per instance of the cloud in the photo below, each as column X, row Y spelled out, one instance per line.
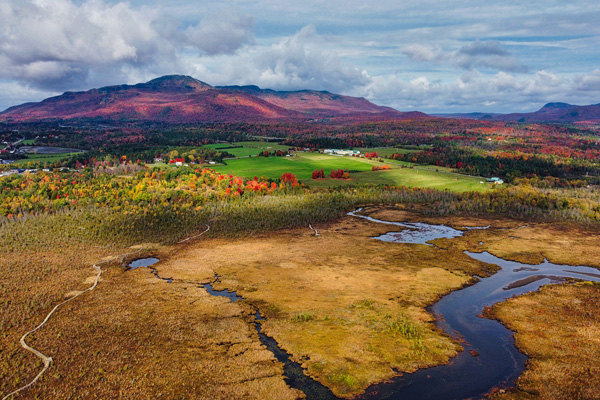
column 588, row 82
column 20, row 94
column 299, row 61
column 303, row 61
column 478, row 54
column 479, row 48
column 507, row 56
column 474, row 91
column 64, row 44
column 223, row 32
column 419, row 52
column 489, row 54
column 544, row 84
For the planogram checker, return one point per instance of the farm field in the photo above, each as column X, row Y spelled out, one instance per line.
column 43, row 154
column 42, row 158
column 385, row 151
column 248, row 148
column 252, row 148
column 303, row 164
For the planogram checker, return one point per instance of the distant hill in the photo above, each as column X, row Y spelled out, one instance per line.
column 473, row 115
column 551, row 112
column 183, row 99
column 557, row 112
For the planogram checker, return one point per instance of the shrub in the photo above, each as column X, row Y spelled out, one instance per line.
column 318, row 174
column 337, row 173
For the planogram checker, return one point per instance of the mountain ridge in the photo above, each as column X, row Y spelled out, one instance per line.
column 184, row 99
column 555, row 112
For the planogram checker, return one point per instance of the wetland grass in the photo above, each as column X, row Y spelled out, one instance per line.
column 558, row 328
column 351, row 310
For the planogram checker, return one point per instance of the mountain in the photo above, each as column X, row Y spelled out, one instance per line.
column 183, row 99
column 551, row 112
column 473, row 115
column 557, row 112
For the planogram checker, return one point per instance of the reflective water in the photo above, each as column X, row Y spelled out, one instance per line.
column 490, row 358
column 145, row 263
column 415, row 232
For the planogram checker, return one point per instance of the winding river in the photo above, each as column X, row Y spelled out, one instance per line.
column 490, row 358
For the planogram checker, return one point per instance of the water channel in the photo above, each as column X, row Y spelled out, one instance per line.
column 293, row 372
column 490, row 358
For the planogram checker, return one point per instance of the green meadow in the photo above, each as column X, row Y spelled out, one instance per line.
column 41, row 158
column 303, row 164
column 385, row 151
column 246, row 149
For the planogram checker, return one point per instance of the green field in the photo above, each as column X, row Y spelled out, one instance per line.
column 385, row 151
column 245, row 149
column 303, row 164
column 41, row 158
column 252, row 148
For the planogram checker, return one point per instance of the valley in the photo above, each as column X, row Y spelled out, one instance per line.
column 351, row 310
column 223, row 249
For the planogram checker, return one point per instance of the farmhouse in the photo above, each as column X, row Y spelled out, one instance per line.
column 495, row 180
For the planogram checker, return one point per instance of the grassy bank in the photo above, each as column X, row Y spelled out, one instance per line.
column 558, row 328
column 350, row 309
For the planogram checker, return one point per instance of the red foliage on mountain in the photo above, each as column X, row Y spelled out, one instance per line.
column 183, row 99
column 557, row 113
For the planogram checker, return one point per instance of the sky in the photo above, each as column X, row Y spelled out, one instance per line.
column 430, row 56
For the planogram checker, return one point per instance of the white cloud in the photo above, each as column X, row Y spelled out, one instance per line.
column 300, row 61
column 419, row 52
column 588, row 82
column 501, row 92
column 20, row 94
column 222, row 32
column 63, row 44
column 431, row 56
column 483, row 54
column 544, row 83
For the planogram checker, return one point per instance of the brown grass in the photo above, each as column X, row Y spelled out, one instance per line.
column 559, row 328
column 134, row 337
column 349, row 308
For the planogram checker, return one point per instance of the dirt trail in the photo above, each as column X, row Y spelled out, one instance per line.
column 48, row 360
column 45, row 359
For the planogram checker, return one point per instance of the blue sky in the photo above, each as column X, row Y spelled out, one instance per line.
column 431, row 56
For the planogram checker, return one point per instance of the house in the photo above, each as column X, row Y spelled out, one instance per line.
column 495, row 180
